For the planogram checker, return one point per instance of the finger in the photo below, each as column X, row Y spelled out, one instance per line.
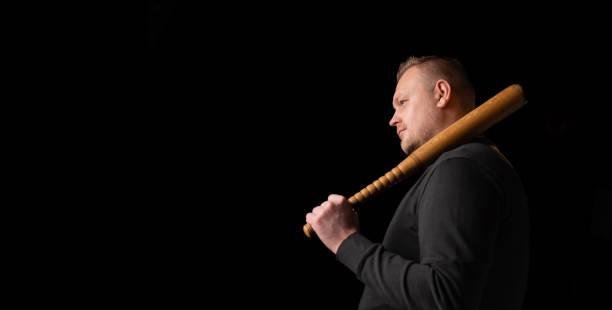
column 309, row 217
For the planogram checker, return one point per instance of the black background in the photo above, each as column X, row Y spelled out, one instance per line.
column 245, row 118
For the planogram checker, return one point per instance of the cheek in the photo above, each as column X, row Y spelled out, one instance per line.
column 408, row 116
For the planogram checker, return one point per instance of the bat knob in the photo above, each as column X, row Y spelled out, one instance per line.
column 308, row 231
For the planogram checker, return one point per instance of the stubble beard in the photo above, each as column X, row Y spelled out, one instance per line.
column 412, row 143
column 411, row 147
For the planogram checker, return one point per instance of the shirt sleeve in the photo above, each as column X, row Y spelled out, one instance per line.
column 459, row 215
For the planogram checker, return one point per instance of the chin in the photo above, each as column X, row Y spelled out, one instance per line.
column 409, row 147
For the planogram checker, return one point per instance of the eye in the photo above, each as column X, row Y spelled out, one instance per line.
column 402, row 102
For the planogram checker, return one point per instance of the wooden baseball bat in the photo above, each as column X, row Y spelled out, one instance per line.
column 466, row 128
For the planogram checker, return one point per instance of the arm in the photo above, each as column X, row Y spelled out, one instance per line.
column 458, row 222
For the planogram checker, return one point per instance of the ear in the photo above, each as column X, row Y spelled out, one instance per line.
column 442, row 93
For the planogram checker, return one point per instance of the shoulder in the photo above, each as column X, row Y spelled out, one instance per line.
column 478, row 154
column 473, row 161
column 477, row 151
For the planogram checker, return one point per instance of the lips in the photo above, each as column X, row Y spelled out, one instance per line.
column 399, row 132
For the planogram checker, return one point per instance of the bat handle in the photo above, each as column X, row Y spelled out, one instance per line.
column 308, row 231
column 395, row 175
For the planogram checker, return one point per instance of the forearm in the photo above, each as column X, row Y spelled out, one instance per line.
column 408, row 284
column 399, row 281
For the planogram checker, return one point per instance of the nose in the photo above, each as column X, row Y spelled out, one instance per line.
column 394, row 120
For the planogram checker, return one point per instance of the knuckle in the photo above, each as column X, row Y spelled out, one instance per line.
column 336, row 198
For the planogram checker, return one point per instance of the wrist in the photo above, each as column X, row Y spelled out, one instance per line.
column 339, row 243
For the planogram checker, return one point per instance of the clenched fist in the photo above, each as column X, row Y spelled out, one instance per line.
column 333, row 221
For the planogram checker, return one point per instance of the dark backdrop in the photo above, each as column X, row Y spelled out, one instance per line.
column 251, row 116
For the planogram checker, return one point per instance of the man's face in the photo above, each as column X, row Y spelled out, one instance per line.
column 414, row 109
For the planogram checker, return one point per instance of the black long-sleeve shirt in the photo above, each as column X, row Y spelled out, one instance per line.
column 458, row 240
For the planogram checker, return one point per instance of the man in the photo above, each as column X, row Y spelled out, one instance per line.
column 459, row 238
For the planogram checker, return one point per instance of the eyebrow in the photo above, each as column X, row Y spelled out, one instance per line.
column 396, row 99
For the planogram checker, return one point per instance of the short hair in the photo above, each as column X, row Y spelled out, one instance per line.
column 446, row 68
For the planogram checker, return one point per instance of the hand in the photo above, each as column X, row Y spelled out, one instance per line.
column 333, row 221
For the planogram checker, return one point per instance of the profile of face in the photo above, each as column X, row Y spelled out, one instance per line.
column 414, row 102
